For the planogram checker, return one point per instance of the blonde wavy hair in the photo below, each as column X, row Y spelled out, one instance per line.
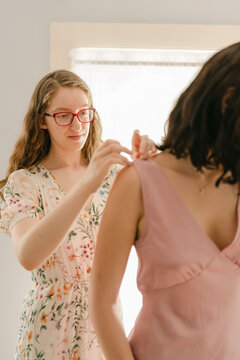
column 34, row 142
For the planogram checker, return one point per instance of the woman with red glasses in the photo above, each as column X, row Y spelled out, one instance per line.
column 53, row 196
column 181, row 212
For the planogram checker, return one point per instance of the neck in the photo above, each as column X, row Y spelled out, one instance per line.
column 184, row 165
column 60, row 159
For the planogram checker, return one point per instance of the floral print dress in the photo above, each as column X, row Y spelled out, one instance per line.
column 54, row 322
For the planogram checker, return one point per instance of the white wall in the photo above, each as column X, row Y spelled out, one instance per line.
column 24, row 59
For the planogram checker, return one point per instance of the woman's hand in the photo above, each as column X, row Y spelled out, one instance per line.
column 142, row 146
column 107, row 154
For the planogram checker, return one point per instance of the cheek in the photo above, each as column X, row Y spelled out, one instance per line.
column 55, row 132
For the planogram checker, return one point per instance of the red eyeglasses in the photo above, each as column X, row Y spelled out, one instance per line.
column 66, row 118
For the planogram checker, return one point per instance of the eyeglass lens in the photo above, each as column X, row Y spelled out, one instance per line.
column 66, row 118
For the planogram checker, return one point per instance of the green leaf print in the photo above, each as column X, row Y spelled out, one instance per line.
column 42, row 307
column 29, row 349
column 32, row 317
column 43, row 327
column 70, row 235
column 41, row 273
column 40, row 202
column 39, row 355
column 59, row 308
column 36, row 338
column 53, row 306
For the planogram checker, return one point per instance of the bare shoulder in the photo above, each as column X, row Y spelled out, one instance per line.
column 125, row 198
column 128, row 177
column 126, row 190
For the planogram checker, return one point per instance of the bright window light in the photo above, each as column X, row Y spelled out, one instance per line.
column 135, row 89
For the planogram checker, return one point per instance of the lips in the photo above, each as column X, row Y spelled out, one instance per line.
column 76, row 137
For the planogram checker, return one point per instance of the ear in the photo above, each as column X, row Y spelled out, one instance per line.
column 225, row 98
column 43, row 125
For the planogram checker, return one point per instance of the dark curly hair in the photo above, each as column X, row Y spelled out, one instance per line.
column 200, row 127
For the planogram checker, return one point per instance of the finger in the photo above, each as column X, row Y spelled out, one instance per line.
column 106, row 143
column 148, row 153
column 112, row 148
column 116, row 159
column 111, row 141
column 144, row 144
column 136, row 140
column 148, row 148
column 154, row 149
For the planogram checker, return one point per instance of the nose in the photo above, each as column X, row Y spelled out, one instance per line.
column 76, row 124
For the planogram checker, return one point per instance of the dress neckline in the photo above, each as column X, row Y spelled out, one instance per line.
column 52, row 177
column 192, row 218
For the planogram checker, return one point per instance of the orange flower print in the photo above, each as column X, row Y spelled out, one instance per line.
column 20, row 347
column 75, row 356
column 78, row 276
column 51, row 291
column 30, row 336
column 50, row 263
column 89, row 269
column 85, row 215
column 44, row 318
column 59, row 295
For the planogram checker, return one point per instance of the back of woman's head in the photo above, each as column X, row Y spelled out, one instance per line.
column 34, row 142
column 205, row 122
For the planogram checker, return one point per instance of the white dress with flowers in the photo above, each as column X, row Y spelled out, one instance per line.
column 54, row 322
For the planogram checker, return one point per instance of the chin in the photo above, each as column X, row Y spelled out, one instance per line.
column 79, row 146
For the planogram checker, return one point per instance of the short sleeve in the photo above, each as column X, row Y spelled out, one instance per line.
column 105, row 188
column 112, row 174
column 21, row 199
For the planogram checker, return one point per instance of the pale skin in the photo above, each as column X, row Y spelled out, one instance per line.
column 123, row 223
column 34, row 241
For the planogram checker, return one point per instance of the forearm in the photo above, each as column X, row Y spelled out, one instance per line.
column 110, row 332
column 40, row 241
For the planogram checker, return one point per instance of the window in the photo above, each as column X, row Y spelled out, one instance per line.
column 134, row 88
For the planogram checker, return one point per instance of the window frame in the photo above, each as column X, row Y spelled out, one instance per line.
column 67, row 36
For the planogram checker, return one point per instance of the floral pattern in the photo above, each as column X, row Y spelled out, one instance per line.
column 54, row 322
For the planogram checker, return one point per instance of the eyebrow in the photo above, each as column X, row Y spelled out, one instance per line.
column 67, row 109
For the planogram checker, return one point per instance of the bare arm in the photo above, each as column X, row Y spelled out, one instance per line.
column 117, row 233
column 33, row 240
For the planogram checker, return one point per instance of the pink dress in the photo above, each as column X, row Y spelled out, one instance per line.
column 190, row 289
